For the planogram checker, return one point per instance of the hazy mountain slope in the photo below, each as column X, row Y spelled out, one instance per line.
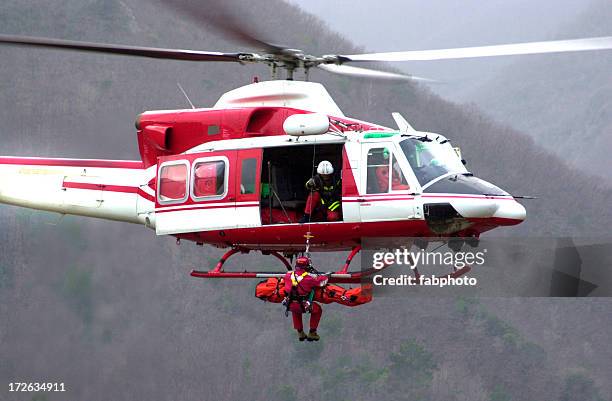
column 563, row 101
column 110, row 309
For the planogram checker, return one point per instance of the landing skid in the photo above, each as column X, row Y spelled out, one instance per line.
column 341, row 276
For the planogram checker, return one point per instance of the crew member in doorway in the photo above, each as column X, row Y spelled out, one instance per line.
column 325, row 195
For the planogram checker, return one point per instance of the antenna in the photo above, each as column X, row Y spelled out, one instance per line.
column 185, row 94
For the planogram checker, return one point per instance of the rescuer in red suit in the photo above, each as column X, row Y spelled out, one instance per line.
column 300, row 285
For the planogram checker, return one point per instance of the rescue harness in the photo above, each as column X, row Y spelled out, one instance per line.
column 305, row 301
column 330, row 194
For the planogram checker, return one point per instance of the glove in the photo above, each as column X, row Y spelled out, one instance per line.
column 310, row 184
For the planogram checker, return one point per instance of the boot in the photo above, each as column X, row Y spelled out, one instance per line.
column 301, row 335
column 313, row 336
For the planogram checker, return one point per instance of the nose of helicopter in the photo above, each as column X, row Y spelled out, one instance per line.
column 509, row 212
column 499, row 210
column 480, row 201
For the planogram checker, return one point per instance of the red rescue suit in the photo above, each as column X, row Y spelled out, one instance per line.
column 306, row 282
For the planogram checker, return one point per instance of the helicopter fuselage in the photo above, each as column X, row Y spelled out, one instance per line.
column 231, row 176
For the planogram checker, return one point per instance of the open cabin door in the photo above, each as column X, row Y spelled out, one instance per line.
column 196, row 192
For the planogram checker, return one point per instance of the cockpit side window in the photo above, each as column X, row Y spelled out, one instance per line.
column 430, row 159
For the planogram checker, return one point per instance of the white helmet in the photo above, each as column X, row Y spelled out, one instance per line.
column 325, row 168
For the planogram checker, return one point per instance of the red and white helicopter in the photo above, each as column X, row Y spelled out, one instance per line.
column 233, row 175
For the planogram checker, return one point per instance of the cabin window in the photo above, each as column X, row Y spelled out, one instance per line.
column 209, row 179
column 398, row 181
column 379, row 160
column 173, row 183
column 248, row 175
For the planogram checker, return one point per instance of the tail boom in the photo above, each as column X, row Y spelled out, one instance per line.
column 107, row 189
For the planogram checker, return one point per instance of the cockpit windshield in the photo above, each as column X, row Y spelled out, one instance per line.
column 431, row 158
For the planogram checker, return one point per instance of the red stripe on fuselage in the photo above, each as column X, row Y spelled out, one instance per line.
column 204, row 206
column 38, row 161
column 109, row 188
column 145, row 195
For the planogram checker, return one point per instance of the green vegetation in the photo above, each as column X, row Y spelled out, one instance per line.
column 337, row 376
column 495, row 327
column 408, row 371
column 464, row 305
column 413, row 364
column 76, row 288
column 73, row 231
column 107, row 336
column 226, row 302
column 333, row 326
column 285, row 392
column 344, row 372
column 105, row 84
column 500, row 393
column 370, row 374
column 512, row 339
column 307, row 353
column 6, row 277
column 580, row 387
column 247, row 368
column 109, row 13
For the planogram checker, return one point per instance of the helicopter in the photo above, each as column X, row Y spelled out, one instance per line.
column 232, row 175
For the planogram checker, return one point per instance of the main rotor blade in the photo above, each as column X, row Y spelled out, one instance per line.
column 369, row 73
column 556, row 46
column 169, row 54
column 224, row 19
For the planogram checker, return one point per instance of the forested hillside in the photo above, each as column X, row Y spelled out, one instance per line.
column 563, row 101
column 110, row 309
